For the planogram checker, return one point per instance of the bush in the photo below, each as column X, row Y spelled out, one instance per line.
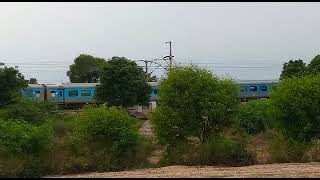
column 97, row 139
column 193, row 103
column 297, row 103
column 277, row 146
column 18, row 136
column 23, row 166
column 63, row 124
column 110, row 125
column 35, row 112
column 312, row 151
column 255, row 116
column 218, row 151
column 283, row 149
column 105, row 139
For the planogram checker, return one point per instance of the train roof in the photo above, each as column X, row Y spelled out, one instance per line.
column 153, row 83
column 70, row 85
column 256, row 81
column 35, row 86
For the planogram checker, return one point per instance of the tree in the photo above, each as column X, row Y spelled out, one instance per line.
column 293, row 68
column 33, row 81
column 123, row 83
column 297, row 103
column 314, row 65
column 192, row 102
column 85, row 69
column 12, row 81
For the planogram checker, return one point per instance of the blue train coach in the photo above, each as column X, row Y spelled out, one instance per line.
column 254, row 89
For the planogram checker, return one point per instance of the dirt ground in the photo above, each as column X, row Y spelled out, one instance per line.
column 268, row 170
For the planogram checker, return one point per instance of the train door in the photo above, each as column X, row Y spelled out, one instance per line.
column 60, row 96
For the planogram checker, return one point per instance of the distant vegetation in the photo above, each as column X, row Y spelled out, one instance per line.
column 86, row 69
column 123, row 83
column 11, row 83
column 297, row 68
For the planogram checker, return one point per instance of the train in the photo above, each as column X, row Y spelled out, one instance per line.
column 74, row 95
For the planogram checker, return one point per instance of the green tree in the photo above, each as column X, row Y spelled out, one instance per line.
column 12, row 81
column 297, row 103
column 314, row 65
column 85, row 69
column 123, row 83
column 193, row 103
column 33, row 81
column 293, row 68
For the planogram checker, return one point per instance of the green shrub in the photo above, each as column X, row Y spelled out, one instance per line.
column 35, row 112
column 21, row 148
column 297, row 103
column 63, row 123
column 109, row 125
column 18, row 136
column 254, row 116
column 217, row 151
column 97, row 139
column 105, row 139
column 193, row 103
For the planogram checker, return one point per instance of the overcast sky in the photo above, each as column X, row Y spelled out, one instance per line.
column 224, row 37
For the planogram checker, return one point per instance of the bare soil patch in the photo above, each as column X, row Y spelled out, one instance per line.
column 267, row 170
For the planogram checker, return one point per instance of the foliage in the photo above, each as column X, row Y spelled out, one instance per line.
column 123, row 83
column 314, row 65
column 285, row 149
column 216, row 151
column 111, row 125
column 23, row 166
column 33, row 81
column 193, row 102
column 255, row 116
column 18, row 136
column 85, row 69
column 11, row 83
column 277, row 146
column 35, row 112
column 63, row 146
column 293, row 68
column 297, row 105
column 105, row 139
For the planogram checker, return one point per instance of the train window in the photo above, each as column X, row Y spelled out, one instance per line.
column 85, row 93
column 73, row 93
column 53, row 93
column 37, row 93
column 60, row 93
column 155, row 91
column 253, row 88
column 263, row 88
column 243, row 89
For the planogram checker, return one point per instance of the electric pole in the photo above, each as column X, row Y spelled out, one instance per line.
column 170, row 54
column 147, row 67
